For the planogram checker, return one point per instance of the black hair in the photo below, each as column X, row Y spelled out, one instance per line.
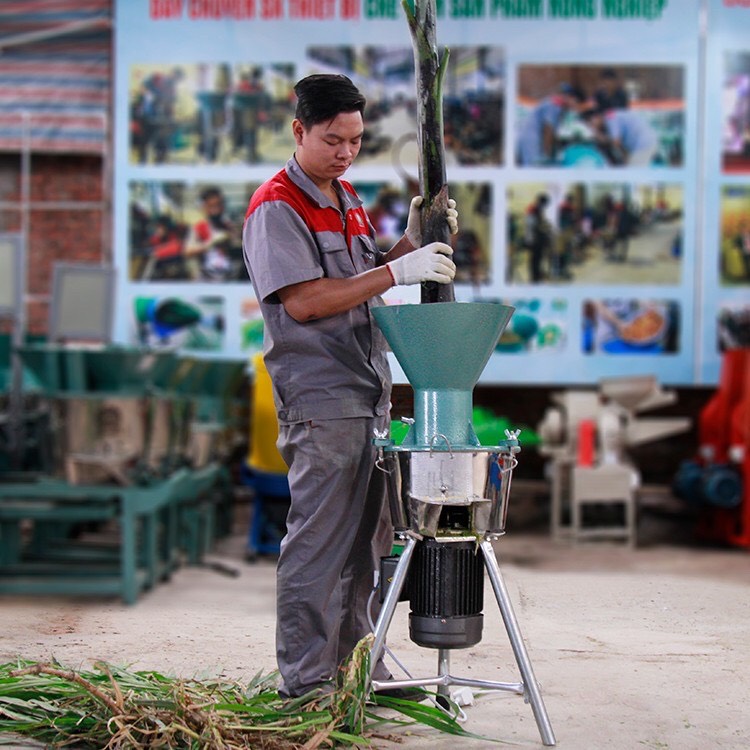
column 575, row 91
column 322, row 96
column 211, row 192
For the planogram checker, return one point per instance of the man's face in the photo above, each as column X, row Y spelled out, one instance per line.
column 214, row 206
column 327, row 149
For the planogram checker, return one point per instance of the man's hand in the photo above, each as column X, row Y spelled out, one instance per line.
column 414, row 223
column 429, row 263
column 218, row 237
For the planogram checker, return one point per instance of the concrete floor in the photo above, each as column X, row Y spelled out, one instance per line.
column 634, row 649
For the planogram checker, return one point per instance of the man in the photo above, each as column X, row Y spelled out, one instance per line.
column 537, row 236
column 250, row 105
column 537, row 137
column 317, row 270
column 625, row 226
column 624, row 135
column 611, row 94
column 153, row 115
column 742, row 243
column 567, row 223
column 211, row 243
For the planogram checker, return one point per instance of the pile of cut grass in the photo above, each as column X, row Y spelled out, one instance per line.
column 111, row 708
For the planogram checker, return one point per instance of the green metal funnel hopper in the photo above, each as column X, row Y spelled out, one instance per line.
column 443, row 349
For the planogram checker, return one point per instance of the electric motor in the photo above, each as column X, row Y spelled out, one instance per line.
column 446, row 588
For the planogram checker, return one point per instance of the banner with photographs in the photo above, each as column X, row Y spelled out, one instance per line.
column 574, row 148
column 723, row 308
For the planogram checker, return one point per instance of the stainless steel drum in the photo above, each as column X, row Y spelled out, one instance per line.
column 421, row 484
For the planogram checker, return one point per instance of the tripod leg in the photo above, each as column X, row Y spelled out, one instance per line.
column 444, row 667
column 516, row 641
column 389, row 604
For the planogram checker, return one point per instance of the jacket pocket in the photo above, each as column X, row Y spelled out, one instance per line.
column 334, row 255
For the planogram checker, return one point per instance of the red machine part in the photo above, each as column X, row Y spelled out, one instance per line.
column 715, row 418
column 724, row 429
column 586, row 443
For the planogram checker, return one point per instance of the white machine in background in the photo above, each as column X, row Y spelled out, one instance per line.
column 586, row 435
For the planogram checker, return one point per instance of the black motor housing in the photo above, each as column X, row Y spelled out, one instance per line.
column 446, row 590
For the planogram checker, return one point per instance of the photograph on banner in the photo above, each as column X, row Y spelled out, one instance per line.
column 211, row 113
column 735, row 113
column 473, row 102
column 600, row 116
column 179, row 322
column 251, row 325
column 185, row 231
column 537, row 325
column 594, row 233
column 387, row 205
column 733, row 326
column 734, row 259
column 630, row 326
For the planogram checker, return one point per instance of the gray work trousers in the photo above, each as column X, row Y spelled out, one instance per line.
column 338, row 527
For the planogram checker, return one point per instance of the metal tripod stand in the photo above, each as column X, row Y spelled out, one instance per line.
column 528, row 687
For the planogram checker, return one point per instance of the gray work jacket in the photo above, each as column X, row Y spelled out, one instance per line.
column 335, row 367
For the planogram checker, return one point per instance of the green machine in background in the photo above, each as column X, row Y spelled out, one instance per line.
column 138, row 438
column 11, row 375
column 448, row 495
column 139, row 463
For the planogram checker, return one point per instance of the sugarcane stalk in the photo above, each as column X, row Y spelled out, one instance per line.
column 429, row 73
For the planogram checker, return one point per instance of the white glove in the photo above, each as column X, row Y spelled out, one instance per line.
column 429, row 263
column 414, row 222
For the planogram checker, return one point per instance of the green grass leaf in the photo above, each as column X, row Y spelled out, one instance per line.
column 109, row 704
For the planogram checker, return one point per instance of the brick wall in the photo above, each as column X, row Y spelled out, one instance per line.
column 66, row 219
